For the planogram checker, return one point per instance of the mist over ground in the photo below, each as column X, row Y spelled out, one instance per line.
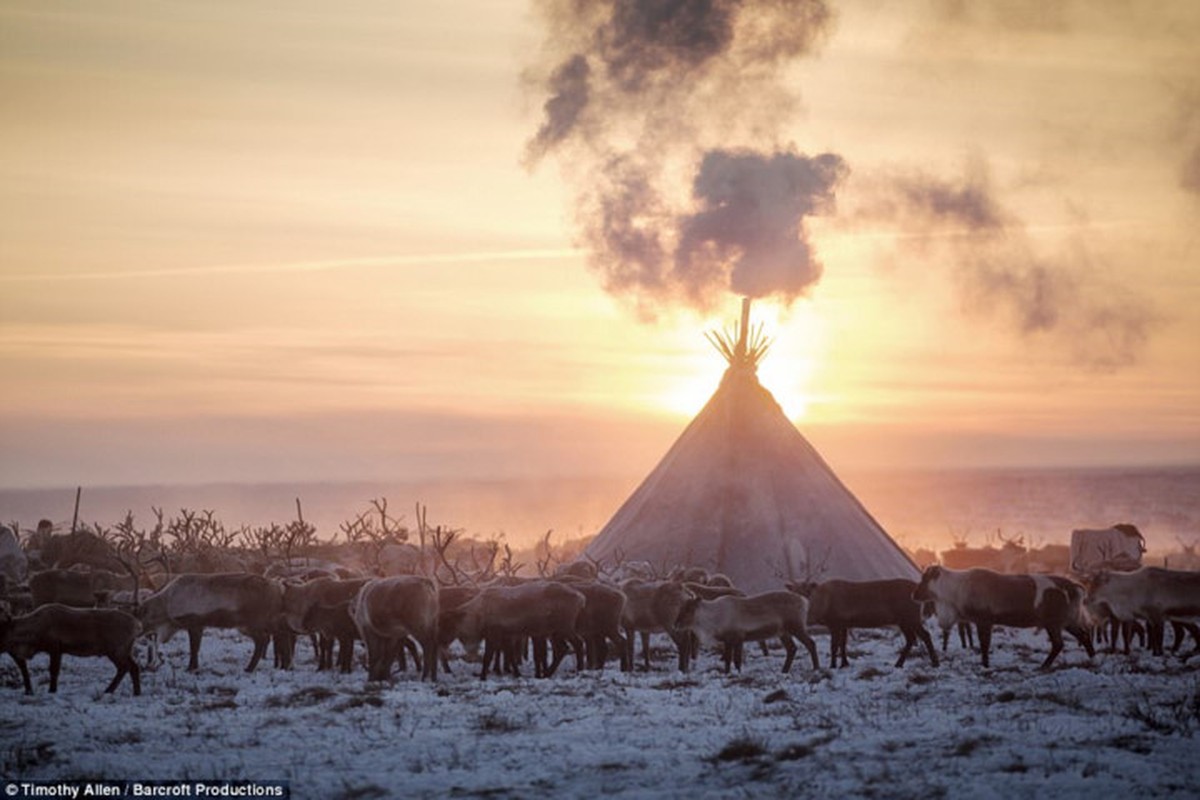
column 918, row 508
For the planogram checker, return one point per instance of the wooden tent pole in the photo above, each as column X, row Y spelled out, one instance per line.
column 744, row 333
column 75, row 516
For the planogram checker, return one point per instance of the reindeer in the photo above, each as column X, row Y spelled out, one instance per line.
column 988, row 598
column 500, row 615
column 732, row 621
column 600, row 622
column 76, row 588
column 1187, row 559
column 841, row 605
column 321, row 607
column 57, row 629
column 387, row 612
column 250, row 603
column 653, row 606
column 1152, row 594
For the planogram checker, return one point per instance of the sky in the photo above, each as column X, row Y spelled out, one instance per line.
column 266, row 241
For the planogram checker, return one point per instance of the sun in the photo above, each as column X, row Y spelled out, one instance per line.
column 787, row 371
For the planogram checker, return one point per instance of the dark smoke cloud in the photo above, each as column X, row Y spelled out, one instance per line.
column 1017, row 15
column 648, row 99
column 751, row 222
column 1189, row 175
column 1064, row 298
column 744, row 233
column 1186, row 132
column 569, row 86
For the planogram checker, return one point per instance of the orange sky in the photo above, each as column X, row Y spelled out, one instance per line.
column 262, row 241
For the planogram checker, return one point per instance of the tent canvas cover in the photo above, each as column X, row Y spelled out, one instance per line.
column 744, row 493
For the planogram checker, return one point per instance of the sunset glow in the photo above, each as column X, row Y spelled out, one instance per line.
column 251, row 242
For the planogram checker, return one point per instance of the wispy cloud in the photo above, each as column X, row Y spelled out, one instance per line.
column 322, row 265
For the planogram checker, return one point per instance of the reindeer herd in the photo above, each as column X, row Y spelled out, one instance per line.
column 507, row 623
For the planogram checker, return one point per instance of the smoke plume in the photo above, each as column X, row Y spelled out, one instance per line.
column 1063, row 297
column 664, row 115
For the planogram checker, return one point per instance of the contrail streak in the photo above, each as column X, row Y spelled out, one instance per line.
column 298, row 266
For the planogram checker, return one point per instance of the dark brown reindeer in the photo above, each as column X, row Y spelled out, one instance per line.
column 599, row 624
column 390, row 611
column 76, row 588
column 449, row 599
column 60, row 630
column 842, row 605
column 322, row 607
column 500, row 616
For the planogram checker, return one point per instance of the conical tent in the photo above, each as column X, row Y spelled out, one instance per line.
column 742, row 492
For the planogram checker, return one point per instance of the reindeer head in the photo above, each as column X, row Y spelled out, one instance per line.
column 927, row 589
column 686, row 618
column 802, row 588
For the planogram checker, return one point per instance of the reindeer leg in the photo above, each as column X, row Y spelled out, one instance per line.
column 579, row 647
column 324, row 652
column 927, row 640
column 811, row 646
column 910, row 640
column 539, row 658
column 550, row 663
column 55, row 666
column 1194, row 630
column 1156, row 631
column 683, row 643
column 262, row 639
column 789, row 648
column 1056, row 645
column 24, row 667
column 408, row 644
column 1179, row 633
column 122, row 668
column 1084, row 638
column 513, row 648
column 429, row 651
column 489, row 651
column 985, row 640
column 619, row 644
column 194, row 636
column 284, row 643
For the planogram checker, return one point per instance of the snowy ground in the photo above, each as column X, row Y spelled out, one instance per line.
column 1115, row 727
